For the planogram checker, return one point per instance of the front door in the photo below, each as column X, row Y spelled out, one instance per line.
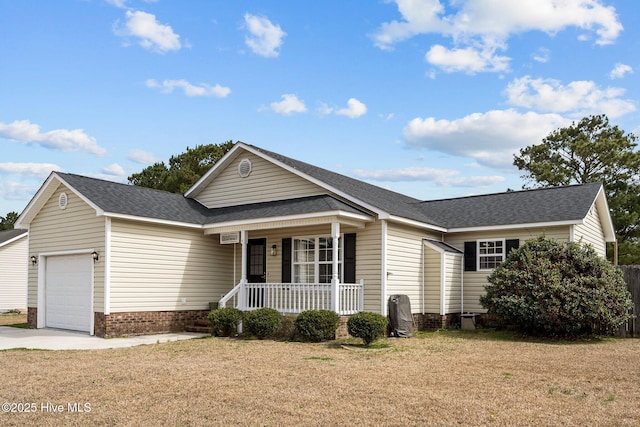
column 256, row 271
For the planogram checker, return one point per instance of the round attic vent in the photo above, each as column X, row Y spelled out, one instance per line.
column 244, row 168
column 63, row 201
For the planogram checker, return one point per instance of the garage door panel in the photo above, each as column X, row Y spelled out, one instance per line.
column 68, row 292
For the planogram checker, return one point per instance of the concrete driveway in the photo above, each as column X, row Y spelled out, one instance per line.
column 56, row 339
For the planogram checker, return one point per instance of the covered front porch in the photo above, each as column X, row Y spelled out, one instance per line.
column 295, row 264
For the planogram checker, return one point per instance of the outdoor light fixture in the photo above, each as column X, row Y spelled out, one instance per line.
column 273, row 250
column 34, row 259
column 95, row 256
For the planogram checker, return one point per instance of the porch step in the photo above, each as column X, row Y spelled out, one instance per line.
column 201, row 326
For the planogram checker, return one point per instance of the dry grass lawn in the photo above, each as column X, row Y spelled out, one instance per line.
column 440, row 378
column 12, row 319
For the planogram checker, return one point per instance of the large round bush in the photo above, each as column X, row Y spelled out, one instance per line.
column 224, row 321
column 317, row 325
column 263, row 322
column 367, row 325
column 556, row 288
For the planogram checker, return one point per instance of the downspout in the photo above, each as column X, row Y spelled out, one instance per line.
column 462, row 286
column 383, row 281
column 423, row 267
column 443, row 284
column 107, row 267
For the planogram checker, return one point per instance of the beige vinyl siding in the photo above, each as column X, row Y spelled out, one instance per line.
column 591, row 232
column 76, row 228
column 368, row 243
column 267, row 182
column 453, row 282
column 432, row 278
column 404, row 263
column 166, row 268
column 474, row 282
column 14, row 264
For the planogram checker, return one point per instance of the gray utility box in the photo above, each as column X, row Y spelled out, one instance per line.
column 400, row 317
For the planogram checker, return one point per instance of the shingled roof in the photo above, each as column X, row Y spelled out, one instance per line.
column 544, row 205
column 551, row 205
column 7, row 236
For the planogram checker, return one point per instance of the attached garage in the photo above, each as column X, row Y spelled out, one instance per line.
column 68, row 292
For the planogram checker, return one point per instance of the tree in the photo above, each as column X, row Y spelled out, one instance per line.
column 184, row 169
column 7, row 222
column 591, row 150
column 556, row 288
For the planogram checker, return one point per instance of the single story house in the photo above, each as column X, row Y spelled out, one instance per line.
column 261, row 229
column 14, row 249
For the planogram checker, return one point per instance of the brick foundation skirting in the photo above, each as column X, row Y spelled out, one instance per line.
column 145, row 322
column 32, row 317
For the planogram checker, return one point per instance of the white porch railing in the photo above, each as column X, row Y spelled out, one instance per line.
column 295, row 297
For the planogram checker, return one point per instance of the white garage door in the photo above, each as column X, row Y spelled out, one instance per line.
column 68, row 292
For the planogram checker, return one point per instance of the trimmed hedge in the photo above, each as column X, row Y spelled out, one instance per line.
column 224, row 321
column 317, row 325
column 367, row 325
column 263, row 322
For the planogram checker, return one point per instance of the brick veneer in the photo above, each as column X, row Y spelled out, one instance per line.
column 145, row 322
column 32, row 317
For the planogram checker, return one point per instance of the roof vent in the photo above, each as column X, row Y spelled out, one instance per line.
column 244, row 168
column 63, row 201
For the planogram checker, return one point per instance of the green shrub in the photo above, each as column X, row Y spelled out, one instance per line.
column 224, row 321
column 263, row 322
column 558, row 289
column 287, row 331
column 317, row 325
column 367, row 325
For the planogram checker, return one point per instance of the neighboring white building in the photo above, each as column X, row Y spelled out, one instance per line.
column 14, row 250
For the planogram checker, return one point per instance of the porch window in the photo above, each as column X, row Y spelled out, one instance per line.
column 490, row 253
column 313, row 260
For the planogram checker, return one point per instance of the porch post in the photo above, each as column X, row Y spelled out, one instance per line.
column 335, row 279
column 243, row 270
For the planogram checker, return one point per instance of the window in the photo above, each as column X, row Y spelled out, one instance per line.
column 490, row 254
column 313, row 260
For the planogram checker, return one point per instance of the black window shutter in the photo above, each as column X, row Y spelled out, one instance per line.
column 349, row 258
column 286, row 260
column 470, row 256
column 511, row 245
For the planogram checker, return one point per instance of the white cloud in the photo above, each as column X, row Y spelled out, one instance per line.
column 203, row 89
column 151, row 34
column 469, row 59
column 289, row 104
column 489, row 138
column 620, row 70
column 541, row 55
column 354, row 109
column 486, row 25
column 264, row 38
column 141, row 157
column 59, row 139
column 578, row 98
column 21, row 191
column 114, row 170
column 37, row 170
column 445, row 177
column 118, row 3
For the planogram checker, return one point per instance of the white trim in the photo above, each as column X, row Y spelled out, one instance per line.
column 99, row 211
column 152, row 220
column 515, row 226
column 572, row 230
column 107, row 266
column 42, row 261
column 330, row 215
column 443, row 287
column 504, row 252
column 414, row 223
column 383, row 269
column 25, row 234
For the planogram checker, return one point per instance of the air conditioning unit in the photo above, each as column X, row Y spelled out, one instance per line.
column 228, row 238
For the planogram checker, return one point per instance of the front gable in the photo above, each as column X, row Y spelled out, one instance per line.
column 247, row 178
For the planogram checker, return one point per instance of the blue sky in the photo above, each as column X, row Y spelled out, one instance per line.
column 430, row 98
